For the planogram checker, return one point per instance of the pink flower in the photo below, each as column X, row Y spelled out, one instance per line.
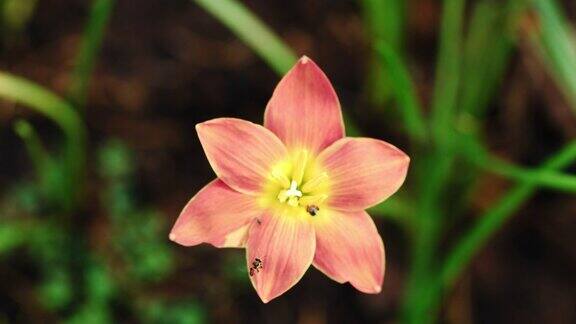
column 293, row 192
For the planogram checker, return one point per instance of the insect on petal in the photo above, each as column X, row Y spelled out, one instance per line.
column 285, row 244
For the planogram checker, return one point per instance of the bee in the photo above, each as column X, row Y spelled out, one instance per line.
column 312, row 210
column 256, row 266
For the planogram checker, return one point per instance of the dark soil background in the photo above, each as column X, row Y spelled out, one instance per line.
column 167, row 65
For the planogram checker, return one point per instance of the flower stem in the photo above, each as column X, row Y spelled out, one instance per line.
column 434, row 172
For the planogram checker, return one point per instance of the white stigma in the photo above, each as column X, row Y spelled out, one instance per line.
column 293, row 190
column 291, row 195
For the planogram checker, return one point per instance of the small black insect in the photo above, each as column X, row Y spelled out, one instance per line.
column 256, row 266
column 312, row 209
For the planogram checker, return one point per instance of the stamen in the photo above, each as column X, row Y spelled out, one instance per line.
column 315, row 182
column 300, row 166
column 280, row 178
column 282, row 196
column 312, row 200
column 293, row 201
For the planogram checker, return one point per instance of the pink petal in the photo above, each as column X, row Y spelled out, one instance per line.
column 348, row 248
column 304, row 110
column 363, row 172
column 218, row 215
column 240, row 152
column 285, row 244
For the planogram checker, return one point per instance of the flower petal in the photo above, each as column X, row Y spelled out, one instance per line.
column 218, row 215
column 362, row 172
column 304, row 110
column 285, row 244
column 240, row 152
column 348, row 248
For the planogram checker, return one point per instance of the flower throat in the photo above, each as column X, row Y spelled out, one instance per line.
column 295, row 191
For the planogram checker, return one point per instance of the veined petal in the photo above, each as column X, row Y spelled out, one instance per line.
column 285, row 244
column 362, row 172
column 304, row 110
column 218, row 215
column 240, row 152
column 348, row 248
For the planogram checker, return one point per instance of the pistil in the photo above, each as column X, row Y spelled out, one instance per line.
column 292, row 195
column 295, row 192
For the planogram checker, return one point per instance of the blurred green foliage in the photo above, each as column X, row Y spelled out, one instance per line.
column 136, row 231
column 14, row 17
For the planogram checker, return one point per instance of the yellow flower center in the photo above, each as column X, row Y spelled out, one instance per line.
column 297, row 182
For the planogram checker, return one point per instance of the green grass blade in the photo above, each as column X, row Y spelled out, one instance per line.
column 557, row 45
column 385, row 21
column 404, row 91
column 397, row 208
column 89, row 49
column 38, row 153
column 435, row 169
column 256, row 35
column 479, row 156
column 487, row 52
column 446, row 85
column 495, row 217
column 45, row 102
column 253, row 32
column 470, row 243
column 43, row 163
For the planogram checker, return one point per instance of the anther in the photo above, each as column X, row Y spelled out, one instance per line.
column 281, row 178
